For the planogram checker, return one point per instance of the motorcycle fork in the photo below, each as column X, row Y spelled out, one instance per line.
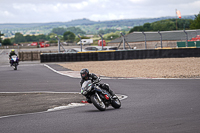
column 98, row 97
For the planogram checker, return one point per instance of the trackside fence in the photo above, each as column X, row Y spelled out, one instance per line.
column 120, row 55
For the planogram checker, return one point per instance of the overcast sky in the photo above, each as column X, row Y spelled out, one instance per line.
column 37, row 11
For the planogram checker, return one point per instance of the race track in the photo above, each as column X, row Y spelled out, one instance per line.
column 152, row 106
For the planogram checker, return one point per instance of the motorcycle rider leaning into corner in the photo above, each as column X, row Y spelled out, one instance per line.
column 11, row 54
column 85, row 75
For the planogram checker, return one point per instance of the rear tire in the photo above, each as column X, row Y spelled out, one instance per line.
column 116, row 103
column 99, row 105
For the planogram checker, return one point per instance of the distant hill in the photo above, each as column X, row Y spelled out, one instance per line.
column 53, row 24
column 90, row 27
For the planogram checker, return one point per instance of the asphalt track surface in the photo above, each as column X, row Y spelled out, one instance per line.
column 152, row 106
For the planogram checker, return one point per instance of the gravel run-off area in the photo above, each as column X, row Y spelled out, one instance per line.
column 141, row 68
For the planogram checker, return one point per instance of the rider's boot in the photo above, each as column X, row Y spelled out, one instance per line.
column 112, row 94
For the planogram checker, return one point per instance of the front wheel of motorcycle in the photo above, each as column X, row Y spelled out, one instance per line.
column 98, row 104
column 116, row 103
column 15, row 66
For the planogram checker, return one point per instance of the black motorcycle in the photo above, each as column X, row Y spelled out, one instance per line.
column 100, row 98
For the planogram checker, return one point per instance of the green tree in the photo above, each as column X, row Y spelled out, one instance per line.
column 28, row 38
column 101, row 32
column 19, row 38
column 34, row 38
column 163, row 25
column 69, row 36
column 7, row 42
column 59, row 31
column 42, row 37
column 0, row 37
column 111, row 36
column 195, row 24
column 147, row 27
column 52, row 37
column 136, row 28
column 183, row 23
column 76, row 30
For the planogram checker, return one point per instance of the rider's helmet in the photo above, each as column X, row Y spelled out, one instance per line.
column 13, row 51
column 84, row 73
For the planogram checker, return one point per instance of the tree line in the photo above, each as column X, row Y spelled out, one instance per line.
column 170, row 24
column 64, row 34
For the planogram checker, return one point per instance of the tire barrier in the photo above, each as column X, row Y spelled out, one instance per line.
column 120, row 55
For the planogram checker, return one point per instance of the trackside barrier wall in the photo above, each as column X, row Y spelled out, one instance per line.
column 120, row 55
column 190, row 44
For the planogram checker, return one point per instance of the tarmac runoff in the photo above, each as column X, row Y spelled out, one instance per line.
column 72, row 105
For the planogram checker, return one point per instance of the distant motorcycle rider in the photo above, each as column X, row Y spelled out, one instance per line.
column 10, row 56
column 85, row 75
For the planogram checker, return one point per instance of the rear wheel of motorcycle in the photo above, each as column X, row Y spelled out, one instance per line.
column 116, row 103
column 99, row 105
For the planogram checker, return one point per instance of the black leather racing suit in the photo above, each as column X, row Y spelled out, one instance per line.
column 11, row 54
column 93, row 78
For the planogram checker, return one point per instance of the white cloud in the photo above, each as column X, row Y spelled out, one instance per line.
column 6, row 13
column 93, row 1
column 79, row 6
column 66, row 10
column 137, row 1
column 25, row 7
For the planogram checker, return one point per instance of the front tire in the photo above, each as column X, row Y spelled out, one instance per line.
column 15, row 66
column 116, row 103
column 99, row 105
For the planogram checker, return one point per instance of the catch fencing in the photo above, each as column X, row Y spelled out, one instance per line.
column 150, row 40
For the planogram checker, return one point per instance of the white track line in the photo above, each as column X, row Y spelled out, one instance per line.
column 58, row 71
column 1, row 52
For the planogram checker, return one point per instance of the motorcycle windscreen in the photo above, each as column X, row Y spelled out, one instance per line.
column 14, row 57
column 86, row 87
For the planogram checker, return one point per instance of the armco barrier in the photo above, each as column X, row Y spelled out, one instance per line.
column 120, row 55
